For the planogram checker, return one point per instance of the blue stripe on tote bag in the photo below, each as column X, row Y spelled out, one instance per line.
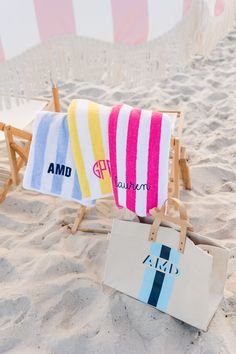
column 157, row 285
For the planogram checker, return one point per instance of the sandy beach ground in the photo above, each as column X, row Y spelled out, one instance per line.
column 51, row 300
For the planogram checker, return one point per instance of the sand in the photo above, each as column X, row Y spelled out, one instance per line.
column 51, row 298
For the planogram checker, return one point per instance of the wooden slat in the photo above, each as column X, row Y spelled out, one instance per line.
column 19, row 133
column 184, row 168
column 13, row 148
column 178, row 112
column 20, row 151
column 91, row 230
column 2, row 125
column 56, row 99
column 11, row 155
column 180, row 124
column 176, row 158
column 79, row 219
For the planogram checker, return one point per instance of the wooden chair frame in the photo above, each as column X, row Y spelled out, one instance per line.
column 17, row 151
column 4, row 176
column 178, row 159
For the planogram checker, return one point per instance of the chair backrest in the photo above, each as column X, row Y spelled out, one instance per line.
column 18, row 140
column 21, row 113
column 18, row 144
column 177, row 124
column 5, row 181
column 177, row 121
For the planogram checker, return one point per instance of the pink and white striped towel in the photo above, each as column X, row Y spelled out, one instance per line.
column 139, row 144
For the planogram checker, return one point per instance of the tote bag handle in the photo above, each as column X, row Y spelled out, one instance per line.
column 182, row 221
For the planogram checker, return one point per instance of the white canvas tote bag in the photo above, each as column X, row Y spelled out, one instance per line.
column 160, row 266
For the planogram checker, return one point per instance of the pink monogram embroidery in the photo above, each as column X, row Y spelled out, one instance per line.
column 100, row 166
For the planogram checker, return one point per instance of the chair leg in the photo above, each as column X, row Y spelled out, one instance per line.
column 4, row 190
column 11, row 155
column 16, row 163
column 79, row 219
column 184, row 168
column 176, row 158
column 56, row 98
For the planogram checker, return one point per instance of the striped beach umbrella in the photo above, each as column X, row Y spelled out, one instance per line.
column 112, row 41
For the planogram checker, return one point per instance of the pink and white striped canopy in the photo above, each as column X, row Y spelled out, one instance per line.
column 108, row 40
column 27, row 23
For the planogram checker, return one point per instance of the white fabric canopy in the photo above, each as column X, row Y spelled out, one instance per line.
column 131, row 41
column 22, row 112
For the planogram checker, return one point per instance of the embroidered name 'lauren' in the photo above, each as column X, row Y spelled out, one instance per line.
column 130, row 185
column 58, row 169
column 161, row 264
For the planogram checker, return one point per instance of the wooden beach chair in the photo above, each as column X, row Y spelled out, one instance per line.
column 10, row 176
column 178, row 157
column 16, row 140
column 18, row 145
